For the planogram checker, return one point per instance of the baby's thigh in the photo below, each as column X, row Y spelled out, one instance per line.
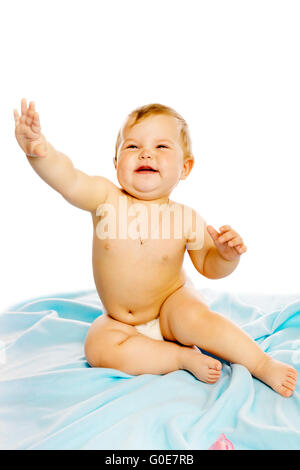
column 104, row 334
column 180, row 309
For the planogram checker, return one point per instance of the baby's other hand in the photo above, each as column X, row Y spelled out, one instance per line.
column 228, row 242
column 28, row 131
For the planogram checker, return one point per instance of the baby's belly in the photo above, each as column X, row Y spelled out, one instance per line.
column 133, row 288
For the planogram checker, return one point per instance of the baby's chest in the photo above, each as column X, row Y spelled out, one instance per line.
column 139, row 252
column 163, row 227
column 143, row 237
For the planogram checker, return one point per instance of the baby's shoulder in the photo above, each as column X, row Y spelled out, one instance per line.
column 194, row 227
column 109, row 203
column 189, row 212
column 112, row 195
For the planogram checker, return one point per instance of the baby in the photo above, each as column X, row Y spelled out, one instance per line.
column 154, row 318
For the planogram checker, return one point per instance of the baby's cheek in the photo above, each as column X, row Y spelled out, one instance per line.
column 171, row 173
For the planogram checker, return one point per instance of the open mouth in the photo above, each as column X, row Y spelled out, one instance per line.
column 146, row 170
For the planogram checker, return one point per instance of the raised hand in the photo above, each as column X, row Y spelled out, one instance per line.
column 229, row 243
column 28, row 131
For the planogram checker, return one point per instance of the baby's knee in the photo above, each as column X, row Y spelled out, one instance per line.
column 197, row 313
column 91, row 353
column 103, row 352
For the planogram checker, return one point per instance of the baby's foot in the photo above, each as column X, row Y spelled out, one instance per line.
column 205, row 368
column 279, row 376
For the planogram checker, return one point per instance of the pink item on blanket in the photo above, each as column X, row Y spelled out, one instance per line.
column 222, row 443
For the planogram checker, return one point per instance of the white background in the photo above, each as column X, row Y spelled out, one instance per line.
column 231, row 68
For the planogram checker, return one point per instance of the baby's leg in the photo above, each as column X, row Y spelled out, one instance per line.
column 184, row 317
column 116, row 345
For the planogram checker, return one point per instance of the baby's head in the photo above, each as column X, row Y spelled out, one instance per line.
column 157, row 137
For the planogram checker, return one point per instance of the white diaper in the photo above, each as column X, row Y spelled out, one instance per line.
column 151, row 329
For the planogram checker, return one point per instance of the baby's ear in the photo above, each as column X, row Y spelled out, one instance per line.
column 187, row 168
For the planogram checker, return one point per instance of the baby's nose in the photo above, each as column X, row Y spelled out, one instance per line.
column 144, row 154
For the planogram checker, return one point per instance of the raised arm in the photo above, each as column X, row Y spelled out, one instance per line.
column 54, row 167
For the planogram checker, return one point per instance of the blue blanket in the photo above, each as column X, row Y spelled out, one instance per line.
column 51, row 399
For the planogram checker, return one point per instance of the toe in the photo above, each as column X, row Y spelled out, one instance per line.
column 216, row 366
column 292, row 374
column 291, row 381
column 287, row 392
column 212, row 380
column 284, row 391
column 289, row 385
column 213, row 377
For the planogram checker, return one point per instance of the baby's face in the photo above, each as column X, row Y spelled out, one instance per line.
column 155, row 143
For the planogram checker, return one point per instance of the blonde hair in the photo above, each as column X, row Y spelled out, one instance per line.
column 142, row 112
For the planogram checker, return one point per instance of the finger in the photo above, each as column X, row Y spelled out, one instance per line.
column 213, row 233
column 31, row 108
column 23, row 107
column 235, row 241
column 225, row 237
column 28, row 119
column 30, row 113
column 36, row 125
column 224, row 228
column 16, row 116
column 241, row 248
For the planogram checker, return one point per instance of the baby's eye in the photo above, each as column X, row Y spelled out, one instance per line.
column 129, row 146
column 161, row 145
